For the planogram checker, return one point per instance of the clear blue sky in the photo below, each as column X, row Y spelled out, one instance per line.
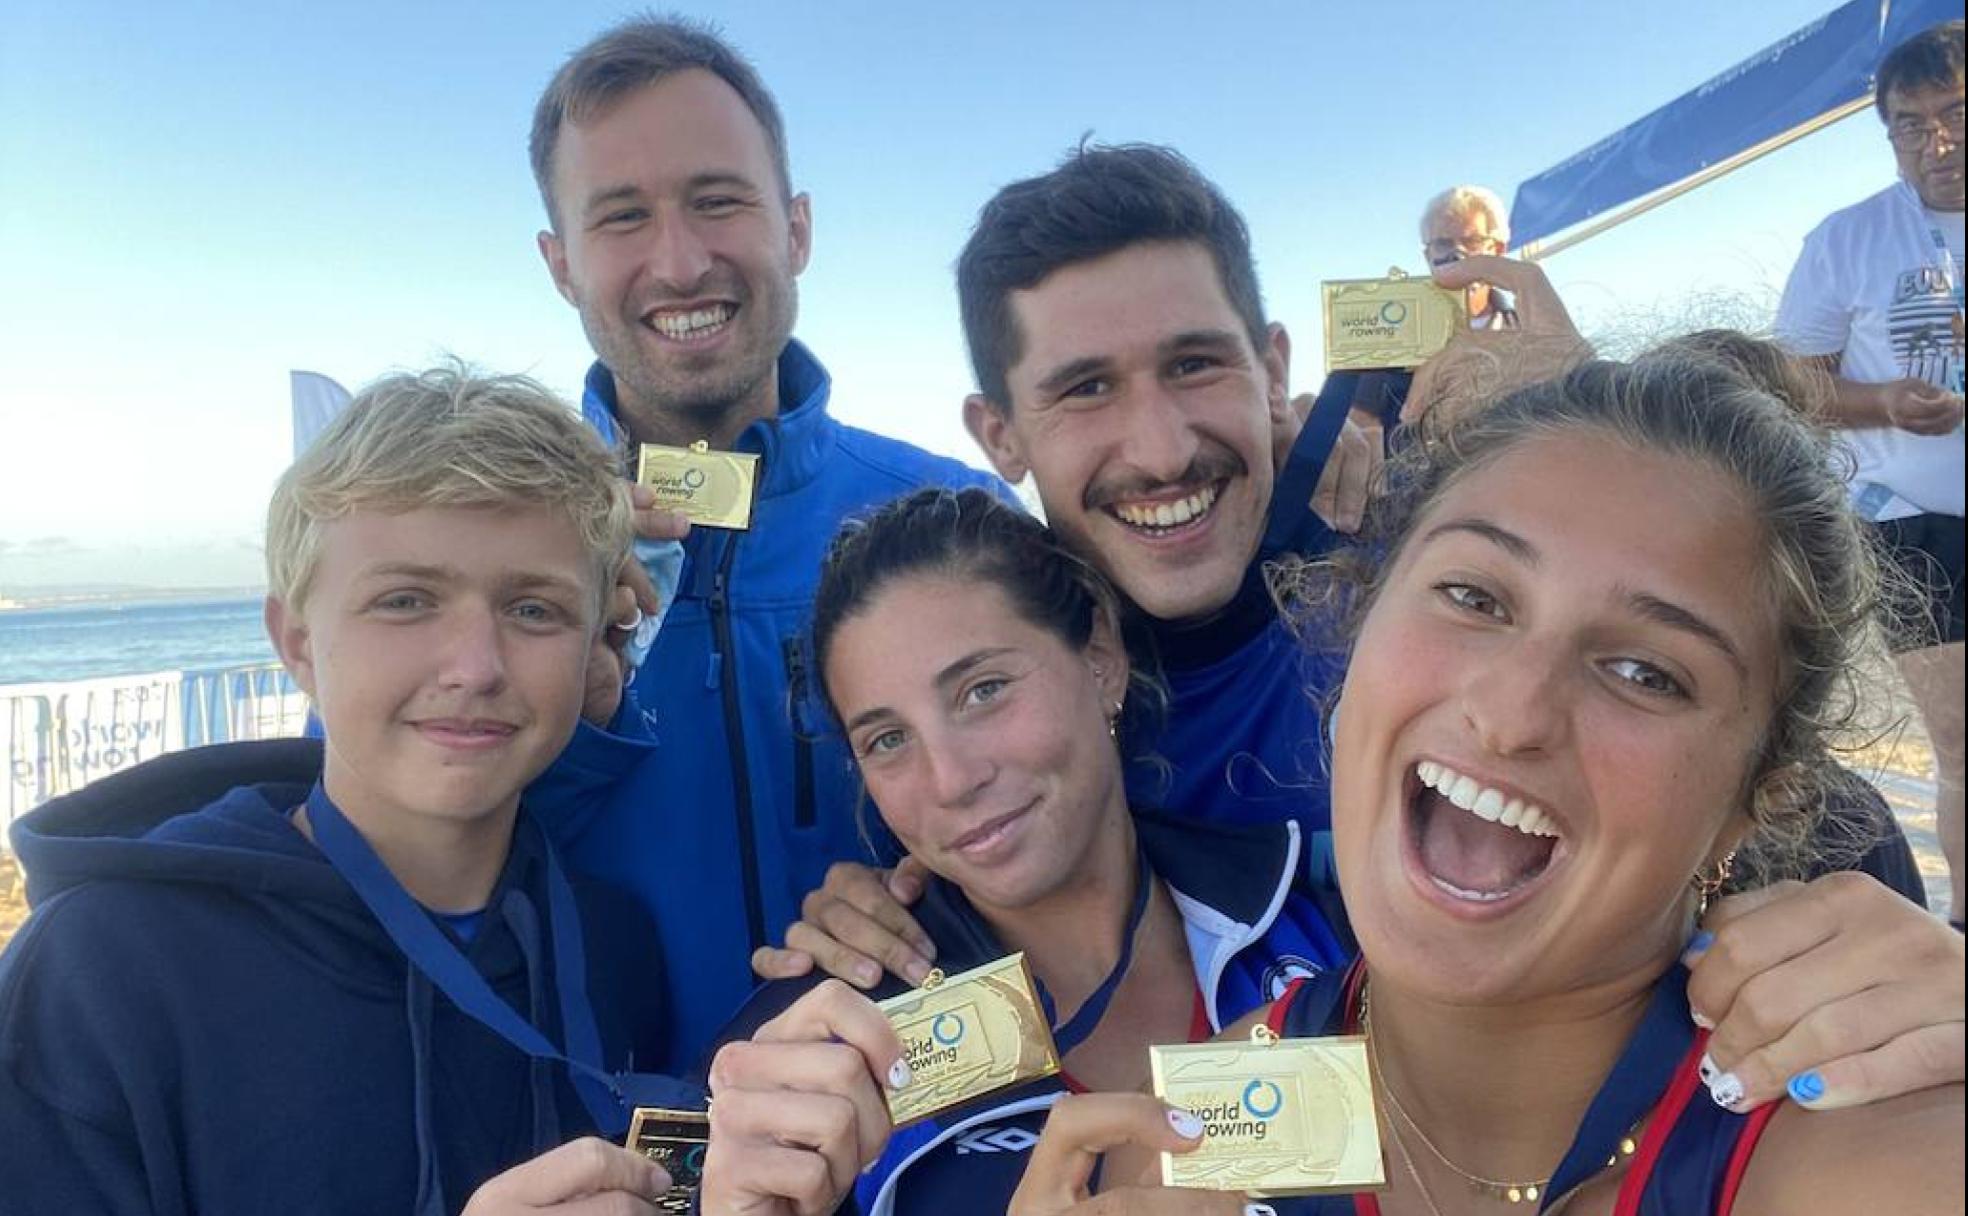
column 197, row 197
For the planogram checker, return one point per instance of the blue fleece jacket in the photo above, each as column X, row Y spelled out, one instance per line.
column 724, row 823
column 202, row 1017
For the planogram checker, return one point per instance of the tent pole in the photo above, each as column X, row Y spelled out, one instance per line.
column 1538, row 250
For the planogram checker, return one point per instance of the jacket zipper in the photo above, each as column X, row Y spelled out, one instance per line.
column 734, row 731
column 805, row 814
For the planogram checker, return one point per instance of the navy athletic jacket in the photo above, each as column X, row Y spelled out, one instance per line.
column 724, row 822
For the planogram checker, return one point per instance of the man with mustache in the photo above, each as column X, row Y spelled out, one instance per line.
column 677, row 235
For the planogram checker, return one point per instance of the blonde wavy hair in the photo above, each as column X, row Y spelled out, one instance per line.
column 449, row 437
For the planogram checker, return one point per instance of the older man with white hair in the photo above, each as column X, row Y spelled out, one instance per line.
column 1466, row 221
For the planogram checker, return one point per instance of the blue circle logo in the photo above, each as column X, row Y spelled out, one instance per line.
column 953, row 1036
column 1254, row 1090
column 1393, row 312
column 694, row 1159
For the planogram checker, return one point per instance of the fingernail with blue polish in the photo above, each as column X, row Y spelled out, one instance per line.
column 1806, row 1087
column 1698, row 945
column 1708, row 1068
column 1186, row 1125
column 899, row 1075
column 1727, row 1090
column 1259, row 1209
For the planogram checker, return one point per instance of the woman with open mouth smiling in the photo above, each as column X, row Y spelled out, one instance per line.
column 1614, row 622
column 1596, row 648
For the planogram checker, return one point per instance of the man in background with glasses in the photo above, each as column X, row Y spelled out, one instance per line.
column 1876, row 300
column 1470, row 221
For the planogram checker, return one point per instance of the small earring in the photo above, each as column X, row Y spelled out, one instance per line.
column 1114, row 722
column 1708, row 884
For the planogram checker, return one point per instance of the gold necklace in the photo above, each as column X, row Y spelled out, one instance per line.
column 1400, row 1145
column 1489, row 1188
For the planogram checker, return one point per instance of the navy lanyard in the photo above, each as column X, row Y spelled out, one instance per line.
column 1088, row 1015
column 441, row 962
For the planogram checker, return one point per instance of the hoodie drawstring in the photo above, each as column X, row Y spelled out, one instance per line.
column 417, row 1011
column 524, row 920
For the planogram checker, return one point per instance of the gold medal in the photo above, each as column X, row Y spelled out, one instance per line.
column 968, row 1035
column 1393, row 322
column 1280, row 1116
column 715, row 489
column 677, row 1141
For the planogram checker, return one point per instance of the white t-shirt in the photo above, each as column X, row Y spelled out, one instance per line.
column 1874, row 288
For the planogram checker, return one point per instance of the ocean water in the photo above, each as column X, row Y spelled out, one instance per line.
column 81, row 642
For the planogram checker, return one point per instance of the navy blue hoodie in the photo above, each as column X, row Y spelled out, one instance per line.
column 201, row 1016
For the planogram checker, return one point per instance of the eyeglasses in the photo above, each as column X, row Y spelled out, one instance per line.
column 1443, row 250
column 1910, row 132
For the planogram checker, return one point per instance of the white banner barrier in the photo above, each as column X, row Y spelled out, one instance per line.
column 55, row 738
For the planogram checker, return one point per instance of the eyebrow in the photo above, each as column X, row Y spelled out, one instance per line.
column 626, row 192
column 1674, row 616
column 410, row 570
column 943, row 679
column 629, row 191
column 1511, row 543
column 444, row 574
column 1066, row 374
column 1649, row 607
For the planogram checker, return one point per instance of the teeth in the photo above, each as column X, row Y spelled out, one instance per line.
column 1484, row 802
column 1168, row 514
column 687, row 324
column 1463, row 793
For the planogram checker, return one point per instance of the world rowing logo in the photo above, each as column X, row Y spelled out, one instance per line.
column 693, row 479
column 1393, row 312
column 1263, row 1099
column 947, row 1029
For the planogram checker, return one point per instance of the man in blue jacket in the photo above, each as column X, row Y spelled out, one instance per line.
column 675, row 232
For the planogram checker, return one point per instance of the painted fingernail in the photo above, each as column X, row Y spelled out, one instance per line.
column 1700, row 1019
column 1186, row 1124
column 1727, row 1090
column 1708, row 1068
column 1259, row 1209
column 899, row 1075
column 1806, row 1087
column 1697, row 946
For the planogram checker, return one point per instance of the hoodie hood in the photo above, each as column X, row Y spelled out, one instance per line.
column 215, row 821
column 215, row 817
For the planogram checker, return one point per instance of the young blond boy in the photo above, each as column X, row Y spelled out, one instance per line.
column 346, row 977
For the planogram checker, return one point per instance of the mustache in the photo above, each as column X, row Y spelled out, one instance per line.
column 1214, row 462
column 716, row 283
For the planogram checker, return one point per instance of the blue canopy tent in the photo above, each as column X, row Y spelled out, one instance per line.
column 1804, row 82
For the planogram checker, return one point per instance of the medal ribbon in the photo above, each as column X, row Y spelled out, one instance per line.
column 439, row 959
column 1088, row 1015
